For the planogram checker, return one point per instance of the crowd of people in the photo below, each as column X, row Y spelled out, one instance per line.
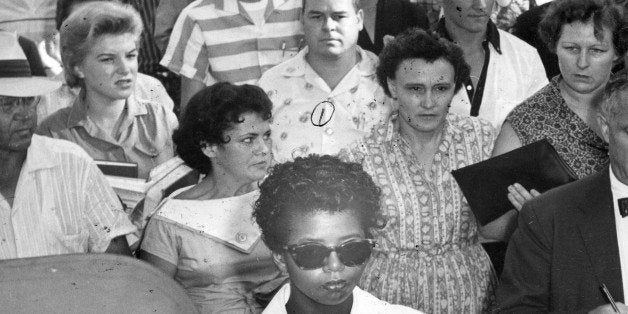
column 323, row 134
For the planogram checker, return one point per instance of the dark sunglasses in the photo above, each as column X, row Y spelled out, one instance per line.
column 310, row 256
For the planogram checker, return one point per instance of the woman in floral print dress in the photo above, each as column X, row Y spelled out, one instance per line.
column 427, row 256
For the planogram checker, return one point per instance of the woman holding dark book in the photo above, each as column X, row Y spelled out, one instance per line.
column 203, row 235
column 99, row 49
column 428, row 255
column 586, row 36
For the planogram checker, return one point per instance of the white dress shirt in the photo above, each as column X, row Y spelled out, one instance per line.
column 512, row 76
column 363, row 303
column 62, row 205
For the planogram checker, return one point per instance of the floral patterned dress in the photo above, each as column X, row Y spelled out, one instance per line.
column 546, row 115
column 428, row 256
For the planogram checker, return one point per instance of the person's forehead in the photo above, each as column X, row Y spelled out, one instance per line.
column 10, row 99
column 459, row 4
column 418, row 68
column 585, row 32
column 620, row 2
column 332, row 5
column 465, row 4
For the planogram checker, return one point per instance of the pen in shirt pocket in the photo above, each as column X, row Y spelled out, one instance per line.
column 609, row 297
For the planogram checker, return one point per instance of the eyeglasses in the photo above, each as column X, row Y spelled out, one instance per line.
column 9, row 104
column 322, row 113
column 313, row 255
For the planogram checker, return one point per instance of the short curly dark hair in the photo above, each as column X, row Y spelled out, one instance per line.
column 311, row 184
column 416, row 43
column 603, row 15
column 211, row 112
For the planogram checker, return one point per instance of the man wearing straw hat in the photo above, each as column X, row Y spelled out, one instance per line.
column 53, row 199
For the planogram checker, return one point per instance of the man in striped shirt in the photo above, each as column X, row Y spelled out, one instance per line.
column 53, row 199
column 231, row 40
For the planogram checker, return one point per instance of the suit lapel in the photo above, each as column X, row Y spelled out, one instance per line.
column 598, row 232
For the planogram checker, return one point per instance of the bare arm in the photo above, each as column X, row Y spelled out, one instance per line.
column 507, row 140
column 119, row 245
column 167, row 267
column 189, row 87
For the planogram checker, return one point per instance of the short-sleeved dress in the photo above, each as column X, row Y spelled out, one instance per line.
column 546, row 115
column 221, row 261
column 428, row 256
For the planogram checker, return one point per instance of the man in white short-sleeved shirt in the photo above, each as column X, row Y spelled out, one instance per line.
column 328, row 95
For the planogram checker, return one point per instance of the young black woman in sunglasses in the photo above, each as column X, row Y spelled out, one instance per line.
column 316, row 214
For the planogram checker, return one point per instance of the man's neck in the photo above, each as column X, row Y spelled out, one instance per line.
column 465, row 39
column 333, row 70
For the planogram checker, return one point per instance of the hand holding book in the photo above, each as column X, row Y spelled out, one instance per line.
column 518, row 195
column 485, row 184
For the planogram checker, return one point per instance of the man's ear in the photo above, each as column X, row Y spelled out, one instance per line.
column 360, row 17
column 604, row 126
column 392, row 87
column 209, row 150
column 280, row 261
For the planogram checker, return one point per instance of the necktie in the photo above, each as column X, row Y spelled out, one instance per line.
column 623, row 206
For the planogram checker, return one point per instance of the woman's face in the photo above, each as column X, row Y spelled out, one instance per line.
column 109, row 69
column 424, row 91
column 247, row 155
column 333, row 283
column 585, row 62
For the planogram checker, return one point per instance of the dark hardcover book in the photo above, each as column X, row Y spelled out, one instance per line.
column 485, row 184
column 117, row 168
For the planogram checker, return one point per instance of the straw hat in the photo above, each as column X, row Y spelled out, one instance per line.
column 16, row 78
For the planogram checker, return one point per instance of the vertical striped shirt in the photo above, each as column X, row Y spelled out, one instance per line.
column 149, row 55
column 62, row 205
column 216, row 40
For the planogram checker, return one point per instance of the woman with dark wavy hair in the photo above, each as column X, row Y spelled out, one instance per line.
column 203, row 235
column 428, row 255
column 316, row 214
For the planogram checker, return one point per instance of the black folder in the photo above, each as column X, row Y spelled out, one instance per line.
column 485, row 184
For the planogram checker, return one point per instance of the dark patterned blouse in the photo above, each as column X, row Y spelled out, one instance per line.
column 546, row 115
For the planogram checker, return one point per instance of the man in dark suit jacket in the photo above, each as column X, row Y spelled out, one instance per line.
column 566, row 246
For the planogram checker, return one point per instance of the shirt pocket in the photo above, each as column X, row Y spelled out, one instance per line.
column 68, row 235
column 74, row 243
column 157, row 151
column 151, row 150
